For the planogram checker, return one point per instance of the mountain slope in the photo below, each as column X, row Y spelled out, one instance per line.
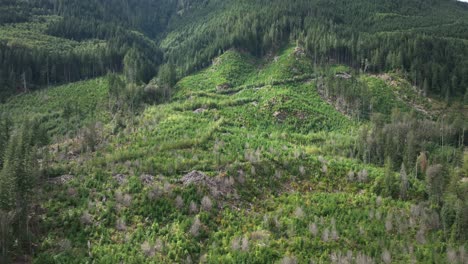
column 426, row 39
column 246, row 164
column 233, row 131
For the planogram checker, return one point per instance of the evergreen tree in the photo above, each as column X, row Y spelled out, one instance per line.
column 5, row 131
column 465, row 98
column 138, row 68
column 435, row 182
column 131, row 66
column 403, row 182
column 17, row 180
column 6, row 236
column 425, row 87
column 167, row 75
column 116, row 86
column 410, row 150
column 461, row 219
column 388, row 181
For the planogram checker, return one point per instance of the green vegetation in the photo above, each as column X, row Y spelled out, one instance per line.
column 62, row 109
column 372, row 36
column 53, row 41
column 45, row 49
column 233, row 131
column 246, row 163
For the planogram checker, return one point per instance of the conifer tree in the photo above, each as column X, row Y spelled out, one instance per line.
column 17, row 180
column 388, row 180
column 435, row 182
column 5, row 131
column 403, row 182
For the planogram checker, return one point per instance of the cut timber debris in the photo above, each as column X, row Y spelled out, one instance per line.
column 147, row 179
column 223, row 87
column 299, row 52
column 216, row 186
column 62, row 179
column 280, row 115
column 199, row 111
column 344, row 75
column 120, row 178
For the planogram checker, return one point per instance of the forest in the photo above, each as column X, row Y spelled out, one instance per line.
column 235, row 131
column 375, row 36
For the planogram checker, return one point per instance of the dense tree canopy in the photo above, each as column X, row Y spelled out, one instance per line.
column 426, row 39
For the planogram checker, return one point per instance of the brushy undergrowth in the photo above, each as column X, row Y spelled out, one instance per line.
column 284, row 187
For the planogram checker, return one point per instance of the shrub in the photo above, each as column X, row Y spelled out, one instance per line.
column 193, row 207
column 245, row 244
column 289, row 260
column 123, row 199
column 326, row 235
column 120, row 224
column 147, row 249
column 313, row 229
column 435, row 182
column 155, row 193
column 179, row 202
column 236, row 244
column 195, row 228
column 206, row 203
column 386, row 257
column 388, row 223
column 299, row 213
column 86, row 219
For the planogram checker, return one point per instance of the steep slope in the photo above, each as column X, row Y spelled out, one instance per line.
column 46, row 43
column 62, row 109
column 348, row 145
column 371, row 35
column 246, row 164
column 85, row 39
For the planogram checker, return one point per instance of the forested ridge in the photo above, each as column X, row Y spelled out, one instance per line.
column 235, row 131
column 425, row 39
